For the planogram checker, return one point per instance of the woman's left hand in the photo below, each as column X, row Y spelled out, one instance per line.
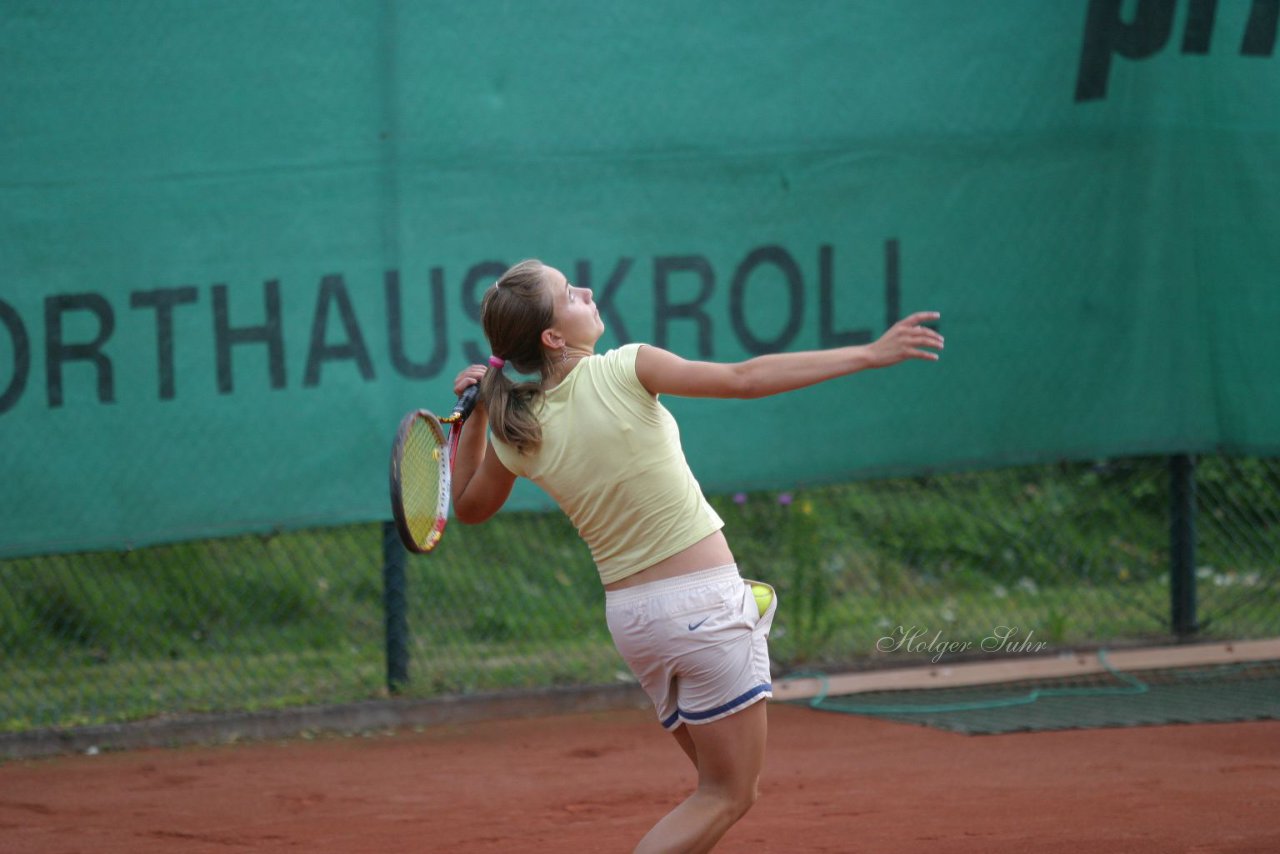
column 909, row 338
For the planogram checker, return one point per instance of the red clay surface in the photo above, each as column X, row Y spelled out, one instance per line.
column 597, row 782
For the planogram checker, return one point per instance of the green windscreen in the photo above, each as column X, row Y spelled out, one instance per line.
column 238, row 240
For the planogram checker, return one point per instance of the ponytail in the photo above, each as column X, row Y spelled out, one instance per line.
column 512, row 410
column 514, row 312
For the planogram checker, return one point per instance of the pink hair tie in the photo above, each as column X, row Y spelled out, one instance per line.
column 495, row 362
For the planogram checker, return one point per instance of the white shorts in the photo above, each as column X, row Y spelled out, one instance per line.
column 696, row 642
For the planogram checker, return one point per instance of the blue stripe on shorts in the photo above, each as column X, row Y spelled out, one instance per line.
column 720, row 710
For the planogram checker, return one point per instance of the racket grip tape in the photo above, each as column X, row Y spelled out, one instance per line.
column 465, row 404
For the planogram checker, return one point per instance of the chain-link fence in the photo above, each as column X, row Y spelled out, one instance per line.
column 1010, row 561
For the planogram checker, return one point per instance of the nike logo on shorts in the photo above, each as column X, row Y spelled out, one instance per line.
column 693, row 626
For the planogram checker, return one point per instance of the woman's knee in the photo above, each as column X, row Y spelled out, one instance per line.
column 735, row 798
column 746, row 799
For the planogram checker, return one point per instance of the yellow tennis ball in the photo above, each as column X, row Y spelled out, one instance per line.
column 763, row 595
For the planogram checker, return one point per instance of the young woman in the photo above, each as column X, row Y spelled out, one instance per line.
column 591, row 432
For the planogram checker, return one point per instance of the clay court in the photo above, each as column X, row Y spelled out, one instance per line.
column 595, row 782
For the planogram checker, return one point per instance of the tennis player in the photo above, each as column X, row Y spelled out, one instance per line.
column 590, row 431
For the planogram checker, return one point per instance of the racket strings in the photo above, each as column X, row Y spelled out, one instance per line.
column 420, row 480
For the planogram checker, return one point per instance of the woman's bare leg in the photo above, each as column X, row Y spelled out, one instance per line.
column 729, row 754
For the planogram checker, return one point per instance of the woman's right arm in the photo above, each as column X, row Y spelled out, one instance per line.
column 662, row 372
column 481, row 484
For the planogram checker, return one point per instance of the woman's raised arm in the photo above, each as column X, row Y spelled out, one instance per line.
column 662, row 372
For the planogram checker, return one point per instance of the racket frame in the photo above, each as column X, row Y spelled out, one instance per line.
column 407, row 425
column 454, row 420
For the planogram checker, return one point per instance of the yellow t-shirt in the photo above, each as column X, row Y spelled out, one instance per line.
column 611, row 458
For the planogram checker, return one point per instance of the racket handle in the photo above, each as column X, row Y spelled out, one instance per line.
column 465, row 404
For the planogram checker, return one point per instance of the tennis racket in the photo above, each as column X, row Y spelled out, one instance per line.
column 421, row 463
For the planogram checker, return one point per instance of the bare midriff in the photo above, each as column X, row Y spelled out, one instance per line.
column 709, row 552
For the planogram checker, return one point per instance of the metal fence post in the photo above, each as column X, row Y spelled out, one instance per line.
column 394, row 557
column 1182, row 545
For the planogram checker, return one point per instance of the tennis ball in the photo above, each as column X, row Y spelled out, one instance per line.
column 763, row 595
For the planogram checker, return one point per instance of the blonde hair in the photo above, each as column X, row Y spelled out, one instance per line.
column 513, row 313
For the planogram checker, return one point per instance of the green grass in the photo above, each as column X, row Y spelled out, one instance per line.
column 1070, row 555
